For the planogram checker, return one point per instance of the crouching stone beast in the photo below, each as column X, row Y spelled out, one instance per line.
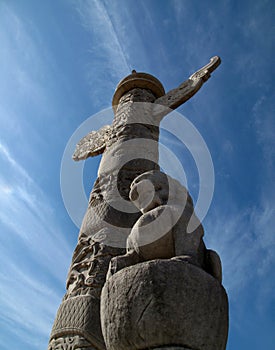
column 161, row 232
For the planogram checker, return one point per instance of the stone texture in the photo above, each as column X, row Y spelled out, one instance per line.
column 70, row 342
column 140, row 80
column 92, row 144
column 161, row 232
column 79, row 315
column 104, row 228
column 174, row 98
column 164, row 303
column 106, row 225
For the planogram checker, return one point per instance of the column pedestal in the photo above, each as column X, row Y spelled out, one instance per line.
column 164, row 304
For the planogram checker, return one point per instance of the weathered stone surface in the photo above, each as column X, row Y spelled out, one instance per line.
column 174, row 98
column 161, row 232
column 95, row 142
column 70, row 342
column 140, row 80
column 106, row 225
column 164, row 303
column 92, row 144
column 79, row 315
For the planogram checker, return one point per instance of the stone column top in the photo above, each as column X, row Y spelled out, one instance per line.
column 137, row 80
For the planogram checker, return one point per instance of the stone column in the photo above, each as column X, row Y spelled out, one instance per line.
column 166, row 294
column 106, row 225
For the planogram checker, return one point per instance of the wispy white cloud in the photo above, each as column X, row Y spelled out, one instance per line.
column 264, row 124
column 119, row 42
column 16, row 166
column 22, row 77
column 26, row 101
column 28, row 300
column 22, row 199
column 109, row 61
column 95, row 19
column 34, row 254
column 128, row 31
column 245, row 240
column 27, row 303
column 245, row 236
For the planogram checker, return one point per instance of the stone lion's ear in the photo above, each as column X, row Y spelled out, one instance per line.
column 92, row 144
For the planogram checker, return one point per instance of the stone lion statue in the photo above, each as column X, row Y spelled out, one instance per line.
column 161, row 231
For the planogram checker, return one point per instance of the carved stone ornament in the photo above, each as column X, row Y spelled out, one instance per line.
column 70, row 342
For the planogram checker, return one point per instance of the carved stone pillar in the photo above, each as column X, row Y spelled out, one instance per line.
column 177, row 303
column 106, row 226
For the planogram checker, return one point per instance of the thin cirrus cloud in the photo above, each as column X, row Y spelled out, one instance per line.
column 22, row 199
column 262, row 112
column 27, row 303
column 17, row 36
column 117, row 43
column 243, row 235
column 105, row 49
column 243, row 239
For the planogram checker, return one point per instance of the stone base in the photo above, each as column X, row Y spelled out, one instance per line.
column 155, row 304
column 73, row 342
column 77, row 317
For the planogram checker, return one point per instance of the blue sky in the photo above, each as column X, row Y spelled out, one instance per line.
column 60, row 62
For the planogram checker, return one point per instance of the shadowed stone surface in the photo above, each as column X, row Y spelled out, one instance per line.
column 161, row 303
column 161, row 232
column 106, row 226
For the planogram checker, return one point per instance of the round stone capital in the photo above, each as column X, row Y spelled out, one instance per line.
column 137, row 80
